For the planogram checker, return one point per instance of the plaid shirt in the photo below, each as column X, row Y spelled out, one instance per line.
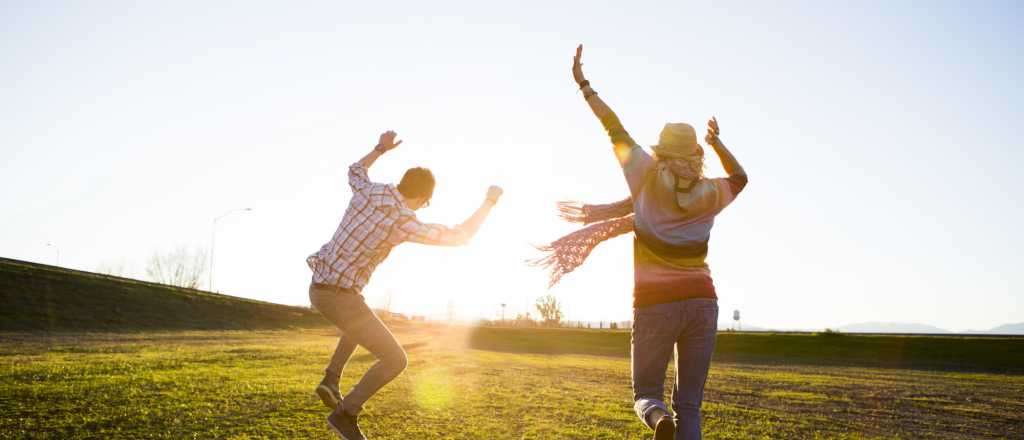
column 376, row 220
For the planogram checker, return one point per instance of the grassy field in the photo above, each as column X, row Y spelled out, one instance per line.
column 84, row 355
column 466, row 384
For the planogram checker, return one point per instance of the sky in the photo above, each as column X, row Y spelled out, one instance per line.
column 879, row 137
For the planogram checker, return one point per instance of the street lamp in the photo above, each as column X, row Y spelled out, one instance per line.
column 56, row 249
column 213, row 237
column 503, row 313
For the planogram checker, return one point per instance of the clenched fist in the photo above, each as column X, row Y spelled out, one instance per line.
column 387, row 141
column 494, row 193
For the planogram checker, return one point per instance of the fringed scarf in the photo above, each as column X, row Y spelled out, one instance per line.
column 605, row 221
column 567, row 253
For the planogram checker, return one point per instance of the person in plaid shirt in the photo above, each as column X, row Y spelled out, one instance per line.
column 378, row 218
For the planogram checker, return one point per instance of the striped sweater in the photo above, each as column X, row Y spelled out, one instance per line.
column 672, row 228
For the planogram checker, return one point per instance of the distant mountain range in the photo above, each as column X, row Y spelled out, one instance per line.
column 1005, row 329
column 904, row 327
column 888, row 327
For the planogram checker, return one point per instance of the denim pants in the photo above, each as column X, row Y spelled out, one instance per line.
column 359, row 326
column 688, row 327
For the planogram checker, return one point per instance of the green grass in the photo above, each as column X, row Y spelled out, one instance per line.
column 248, row 385
column 953, row 353
column 85, row 355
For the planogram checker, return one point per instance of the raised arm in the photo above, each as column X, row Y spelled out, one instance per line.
column 358, row 178
column 473, row 223
column 385, row 144
column 440, row 235
column 621, row 141
column 729, row 163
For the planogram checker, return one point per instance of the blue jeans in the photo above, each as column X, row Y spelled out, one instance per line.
column 688, row 327
column 359, row 326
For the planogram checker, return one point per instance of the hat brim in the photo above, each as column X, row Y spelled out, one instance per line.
column 673, row 153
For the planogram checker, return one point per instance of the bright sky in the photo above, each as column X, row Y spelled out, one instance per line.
column 880, row 139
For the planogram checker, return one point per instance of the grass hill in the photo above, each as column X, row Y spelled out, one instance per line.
column 39, row 297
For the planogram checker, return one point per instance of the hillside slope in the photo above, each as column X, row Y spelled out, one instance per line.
column 38, row 297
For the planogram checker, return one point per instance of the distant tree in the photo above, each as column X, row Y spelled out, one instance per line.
column 614, row 325
column 829, row 333
column 524, row 320
column 180, row 267
column 550, row 310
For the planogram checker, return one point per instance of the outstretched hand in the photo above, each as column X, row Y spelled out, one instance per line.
column 713, row 131
column 387, row 140
column 577, row 65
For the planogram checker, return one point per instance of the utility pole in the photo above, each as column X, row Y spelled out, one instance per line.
column 213, row 238
column 56, row 249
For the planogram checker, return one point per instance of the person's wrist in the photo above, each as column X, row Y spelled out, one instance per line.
column 584, row 83
column 492, row 200
column 380, row 148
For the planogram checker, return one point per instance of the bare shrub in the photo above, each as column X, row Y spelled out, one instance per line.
column 179, row 267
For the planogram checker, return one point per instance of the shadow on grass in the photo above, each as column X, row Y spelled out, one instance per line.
column 412, row 346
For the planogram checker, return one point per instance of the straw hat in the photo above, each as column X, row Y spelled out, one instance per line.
column 677, row 140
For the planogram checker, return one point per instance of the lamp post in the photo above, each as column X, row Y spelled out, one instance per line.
column 213, row 237
column 503, row 313
column 56, row 249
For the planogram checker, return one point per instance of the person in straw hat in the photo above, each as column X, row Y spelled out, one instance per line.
column 671, row 210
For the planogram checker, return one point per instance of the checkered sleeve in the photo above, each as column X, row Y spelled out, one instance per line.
column 412, row 229
column 358, row 178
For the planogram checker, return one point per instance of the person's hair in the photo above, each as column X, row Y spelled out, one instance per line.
column 701, row 165
column 417, row 182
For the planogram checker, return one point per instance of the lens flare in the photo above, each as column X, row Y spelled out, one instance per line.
column 433, row 389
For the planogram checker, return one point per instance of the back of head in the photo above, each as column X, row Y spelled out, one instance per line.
column 678, row 149
column 677, row 140
column 417, row 182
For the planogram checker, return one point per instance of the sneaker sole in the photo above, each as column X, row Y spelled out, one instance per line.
column 665, row 430
column 336, row 430
column 327, row 397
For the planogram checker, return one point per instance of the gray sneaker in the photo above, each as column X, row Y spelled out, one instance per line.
column 329, row 394
column 665, row 429
column 345, row 425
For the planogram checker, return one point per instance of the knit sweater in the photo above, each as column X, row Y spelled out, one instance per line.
column 672, row 228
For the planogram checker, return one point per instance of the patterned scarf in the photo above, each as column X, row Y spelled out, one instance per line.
column 605, row 221
column 567, row 253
